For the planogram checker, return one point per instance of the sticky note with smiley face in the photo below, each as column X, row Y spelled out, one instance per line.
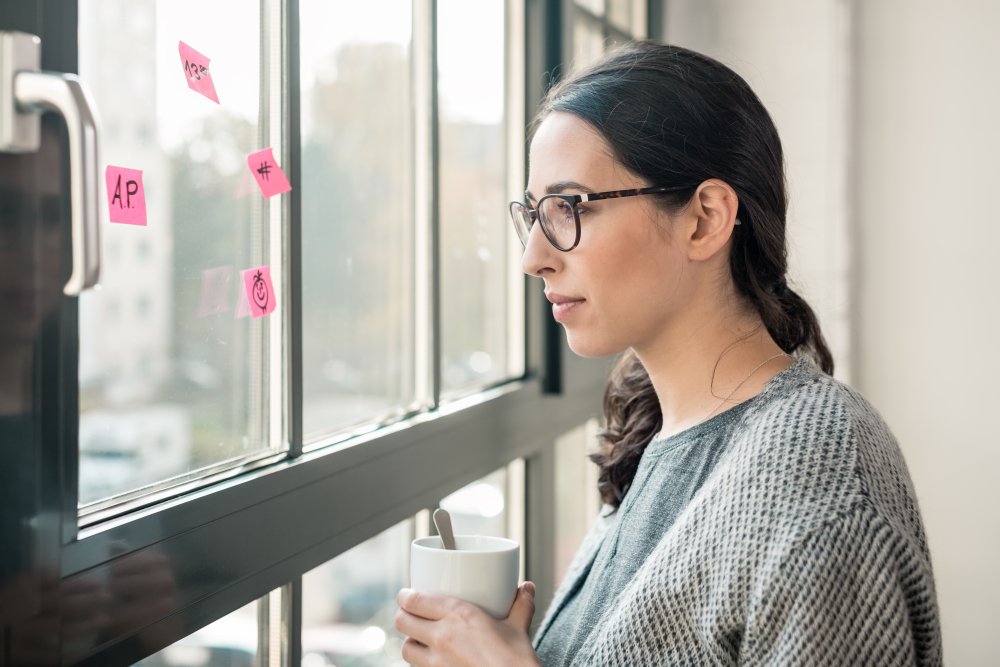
column 259, row 290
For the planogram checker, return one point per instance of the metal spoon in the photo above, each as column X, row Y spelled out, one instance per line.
column 442, row 520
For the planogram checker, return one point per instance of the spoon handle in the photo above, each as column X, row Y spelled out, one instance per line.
column 442, row 520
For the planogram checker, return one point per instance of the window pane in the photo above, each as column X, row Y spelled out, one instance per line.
column 620, row 14
column 480, row 508
column 357, row 212
column 473, row 205
column 349, row 604
column 588, row 41
column 575, row 474
column 596, row 7
column 173, row 372
column 229, row 642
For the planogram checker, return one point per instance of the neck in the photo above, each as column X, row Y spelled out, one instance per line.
column 708, row 365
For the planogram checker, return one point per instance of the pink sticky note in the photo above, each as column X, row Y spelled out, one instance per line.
column 269, row 176
column 216, row 287
column 259, row 290
column 196, row 72
column 126, row 197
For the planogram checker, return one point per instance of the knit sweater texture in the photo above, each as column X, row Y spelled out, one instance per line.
column 804, row 546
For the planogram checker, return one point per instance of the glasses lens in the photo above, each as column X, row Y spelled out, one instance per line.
column 558, row 220
column 522, row 221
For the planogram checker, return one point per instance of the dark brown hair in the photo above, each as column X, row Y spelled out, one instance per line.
column 677, row 118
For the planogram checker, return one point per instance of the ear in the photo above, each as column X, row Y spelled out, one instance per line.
column 713, row 209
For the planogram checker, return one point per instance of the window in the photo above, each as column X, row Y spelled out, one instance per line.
column 598, row 24
column 359, row 218
column 407, row 363
column 231, row 641
column 192, row 364
column 475, row 242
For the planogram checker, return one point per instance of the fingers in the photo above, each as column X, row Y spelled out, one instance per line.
column 425, row 605
column 415, row 627
column 523, row 608
column 416, row 653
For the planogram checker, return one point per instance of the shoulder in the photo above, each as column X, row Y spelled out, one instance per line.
column 817, row 449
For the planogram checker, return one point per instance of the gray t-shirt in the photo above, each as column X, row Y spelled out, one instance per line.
column 785, row 531
column 669, row 474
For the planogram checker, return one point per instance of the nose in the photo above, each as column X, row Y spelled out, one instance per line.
column 539, row 256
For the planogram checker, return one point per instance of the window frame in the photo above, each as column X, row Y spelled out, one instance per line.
column 260, row 528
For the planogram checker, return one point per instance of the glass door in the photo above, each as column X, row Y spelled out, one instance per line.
column 44, row 255
column 142, row 353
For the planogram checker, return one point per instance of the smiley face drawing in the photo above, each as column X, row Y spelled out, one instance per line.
column 260, row 292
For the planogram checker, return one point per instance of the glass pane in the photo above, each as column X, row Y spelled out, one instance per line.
column 349, row 604
column 229, row 642
column 575, row 475
column 473, row 206
column 173, row 374
column 357, row 212
column 620, row 14
column 480, row 508
column 595, row 7
column 588, row 41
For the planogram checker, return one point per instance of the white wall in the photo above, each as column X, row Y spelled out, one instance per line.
column 794, row 56
column 889, row 111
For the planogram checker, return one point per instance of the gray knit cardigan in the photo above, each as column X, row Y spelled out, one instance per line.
column 805, row 546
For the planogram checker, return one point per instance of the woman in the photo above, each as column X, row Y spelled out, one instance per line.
column 758, row 511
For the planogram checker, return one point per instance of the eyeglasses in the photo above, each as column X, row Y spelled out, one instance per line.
column 560, row 217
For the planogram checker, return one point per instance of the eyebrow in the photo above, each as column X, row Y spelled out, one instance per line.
column 560, row 187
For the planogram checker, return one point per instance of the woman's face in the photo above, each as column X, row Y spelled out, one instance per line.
column 621, row 285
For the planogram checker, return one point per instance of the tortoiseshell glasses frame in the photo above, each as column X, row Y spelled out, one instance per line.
column 560, row 217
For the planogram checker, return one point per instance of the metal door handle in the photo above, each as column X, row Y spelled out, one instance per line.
column 25, row 91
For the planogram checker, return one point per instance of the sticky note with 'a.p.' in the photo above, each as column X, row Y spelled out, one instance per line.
column 199, row 78
column 126, row 197
column 259, row 290
column 269, row 176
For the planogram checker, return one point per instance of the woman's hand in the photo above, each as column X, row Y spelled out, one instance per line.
column 446, row 632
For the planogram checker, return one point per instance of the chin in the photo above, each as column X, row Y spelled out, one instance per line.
column 591, row 348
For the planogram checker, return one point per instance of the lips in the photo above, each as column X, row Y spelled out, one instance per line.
column 563, row 306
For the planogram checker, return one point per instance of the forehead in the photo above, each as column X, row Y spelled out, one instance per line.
column 566, row 148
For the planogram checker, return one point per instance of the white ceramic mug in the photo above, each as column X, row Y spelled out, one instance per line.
column 483, row 570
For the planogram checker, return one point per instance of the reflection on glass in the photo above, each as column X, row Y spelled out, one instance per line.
column 170, row 364
column 229, row 642
column 474, row 261
column 480, row 508
column 349, row 604
column 357, row 211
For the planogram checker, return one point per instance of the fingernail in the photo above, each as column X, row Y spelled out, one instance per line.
column 529, row 588
column 404, row 595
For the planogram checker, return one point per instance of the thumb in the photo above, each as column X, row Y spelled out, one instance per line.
column 523, row 609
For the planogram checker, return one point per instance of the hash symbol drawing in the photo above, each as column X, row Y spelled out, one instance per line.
column 264, row 169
